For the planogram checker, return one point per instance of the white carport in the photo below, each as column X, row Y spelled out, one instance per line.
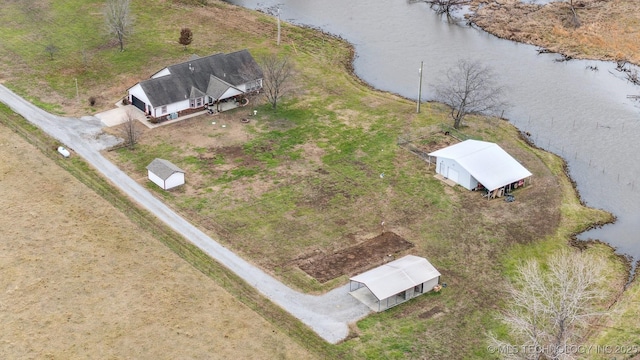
column 165, row 174
column 472, row 163
column 395, row 282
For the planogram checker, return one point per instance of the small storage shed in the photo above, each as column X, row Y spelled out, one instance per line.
column 165, row 174
column 394, row 282
column 475, row 165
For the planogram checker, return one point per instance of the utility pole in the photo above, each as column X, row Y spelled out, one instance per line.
column 278, row 26
column 420, row 87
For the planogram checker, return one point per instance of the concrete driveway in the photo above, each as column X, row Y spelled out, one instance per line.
column 120, row 115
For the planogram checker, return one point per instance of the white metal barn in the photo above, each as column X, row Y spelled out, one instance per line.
column 165, row 174
column 394, row 282
column 475, row 164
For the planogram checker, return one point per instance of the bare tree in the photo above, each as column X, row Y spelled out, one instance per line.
column 446, row 7
column 575, row 20
column 129, row 131
column 470, row 88
column 550, row 308
column 119, row 19
column 186, row 37
column 278, row 71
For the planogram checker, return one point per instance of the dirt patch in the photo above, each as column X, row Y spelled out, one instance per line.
column 356, row 259
column 437, row 141
column 431, row 313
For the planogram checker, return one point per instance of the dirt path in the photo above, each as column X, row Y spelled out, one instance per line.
column 328, row 315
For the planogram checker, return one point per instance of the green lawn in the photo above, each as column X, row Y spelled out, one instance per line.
column 318, row 174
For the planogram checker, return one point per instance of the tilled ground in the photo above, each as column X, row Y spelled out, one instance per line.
column 355, row 259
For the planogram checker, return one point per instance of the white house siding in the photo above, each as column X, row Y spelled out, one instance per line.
column 446, row 167
column 155, row 179
column 230, row 93
column 171, row 108
column 161, row 73
column 137, row 91
column 176, row 179
column 250, row 86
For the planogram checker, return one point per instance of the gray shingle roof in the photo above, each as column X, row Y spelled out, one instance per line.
column 163, row 168
column 217, row 87
column 235, row 69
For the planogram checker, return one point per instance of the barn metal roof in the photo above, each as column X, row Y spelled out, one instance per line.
column 163, row 168
column 397, row 276
column 486, row 162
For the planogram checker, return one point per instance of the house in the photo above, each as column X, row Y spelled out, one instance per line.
column 480, row 165
column 165, row 174
column 395, row 282
column 216, row 82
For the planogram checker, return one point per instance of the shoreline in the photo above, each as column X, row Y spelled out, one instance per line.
column 546, row 27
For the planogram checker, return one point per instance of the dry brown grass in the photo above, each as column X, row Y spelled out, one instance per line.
column 79, row 280
column 609, row 29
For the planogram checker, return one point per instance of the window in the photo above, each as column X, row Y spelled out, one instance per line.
column 164, row 109
column 253, row 85
column 196, row 103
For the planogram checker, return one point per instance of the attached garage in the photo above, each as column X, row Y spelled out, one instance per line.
column 475, row 165
column 165, row 174
column 138, row 103
column 395, row 282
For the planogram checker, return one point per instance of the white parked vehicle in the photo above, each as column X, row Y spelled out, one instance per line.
column 64, row 151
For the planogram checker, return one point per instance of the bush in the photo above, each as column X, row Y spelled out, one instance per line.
column 92, row 100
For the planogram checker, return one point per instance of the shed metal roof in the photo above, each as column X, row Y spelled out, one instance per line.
column 486, row 162
column 163, row 168
column 397, row 276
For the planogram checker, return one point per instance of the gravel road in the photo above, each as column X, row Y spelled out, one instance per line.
column 328, row 315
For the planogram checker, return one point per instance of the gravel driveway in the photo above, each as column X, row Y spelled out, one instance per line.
column 328, row 315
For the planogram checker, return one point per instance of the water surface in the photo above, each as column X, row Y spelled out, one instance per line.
column 578, row 109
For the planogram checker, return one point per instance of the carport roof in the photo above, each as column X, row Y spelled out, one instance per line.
column 397, row 276
column 486, row 162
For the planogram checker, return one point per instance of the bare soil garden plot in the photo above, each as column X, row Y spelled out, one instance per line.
column 355, row 259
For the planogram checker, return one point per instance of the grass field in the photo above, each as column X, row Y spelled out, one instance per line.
column 82, row 280
column 306, row 179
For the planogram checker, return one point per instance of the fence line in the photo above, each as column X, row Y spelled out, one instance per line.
column 575, row 159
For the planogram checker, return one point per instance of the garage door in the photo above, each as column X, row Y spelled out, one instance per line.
column 452, row 175
column 138, row 103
